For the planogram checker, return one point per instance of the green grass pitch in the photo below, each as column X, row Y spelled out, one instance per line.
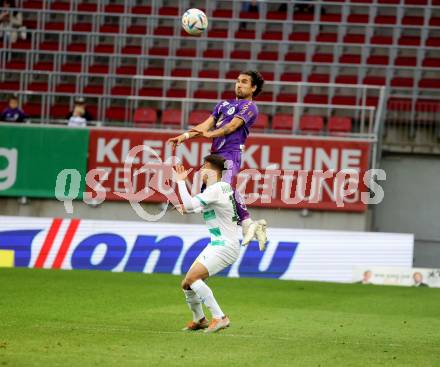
column 85, row 318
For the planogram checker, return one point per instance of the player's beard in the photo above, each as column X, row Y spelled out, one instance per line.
column 239, row 95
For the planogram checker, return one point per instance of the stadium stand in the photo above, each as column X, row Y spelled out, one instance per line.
column 123, row 56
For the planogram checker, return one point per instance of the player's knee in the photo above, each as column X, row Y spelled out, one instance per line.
column 185, row 284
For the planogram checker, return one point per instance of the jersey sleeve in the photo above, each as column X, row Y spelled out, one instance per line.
column 248, row 113
column 216, row 111
column 209, row 196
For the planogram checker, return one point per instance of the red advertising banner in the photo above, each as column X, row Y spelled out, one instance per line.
column 276, row 171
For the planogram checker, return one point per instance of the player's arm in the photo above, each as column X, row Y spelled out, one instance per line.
column 196, row 131
column 190, row 203
column 235, row 123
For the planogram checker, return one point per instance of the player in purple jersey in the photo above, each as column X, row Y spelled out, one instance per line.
column 228, row 127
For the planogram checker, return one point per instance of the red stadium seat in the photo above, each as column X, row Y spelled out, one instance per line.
column 276, row 15
column 405, row 61
column 65, row 88
column 169, row 10
column 38, row 86
column 213, row 74
column 222, row 13
column 374, row 80
column 316, row 99
column 82, row 27
column 409, row 41
column 183, row 73
column 432, row 62
column 114, row 8
column 126, row 70
column 54, row 26
column 228, row 94
column 290, row 77
column 430, row 83
column 272, row 36
column 339, row 124
column 71, row 67
column 354, row 38
column 240, row 54
column 60, row 5
column 43, row 66
column 116, row 113
column 346, row 79
column 145, row 115
column 295, row 56
column 262, row 122
column 109, row 28
column 164, row 31
column 286, row 97
column 49, row 46
column 154, row 71
column 205, row 94
column 87, row 7
column 137, row 29
column 159, row 51
column 141, row 9
column 218, row 33
column 150, row 92
column 319, row 78
column 9, row 86
column 131, row 50
column 99, row 69
column 93, row 89
column 186, row 52
column 16, row 65
column 213, row 53
column 104, row 49
column 77, row 47
column 245, row 34
column 344, row 100
column 282, row 121
column 378, row 60
column 59, row 111
column 176, row 93
column 327, row 37
column 311, row 123
column 402, row 82
column 265, row 97
column 121, row 90
column 268, row 55
column 299, row 37
column 198, row 116
column 381, row 40
column 172, row 117
column 33, row 109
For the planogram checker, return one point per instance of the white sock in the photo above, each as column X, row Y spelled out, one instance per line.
column 194, row 304
column 207, row 297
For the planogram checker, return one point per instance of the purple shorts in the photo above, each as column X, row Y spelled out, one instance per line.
column 233, row 164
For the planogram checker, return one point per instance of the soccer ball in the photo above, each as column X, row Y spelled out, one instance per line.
column 194, row 22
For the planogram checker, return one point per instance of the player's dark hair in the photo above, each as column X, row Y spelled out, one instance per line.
column 13, row 97
column 217, row 161
column 256, row 79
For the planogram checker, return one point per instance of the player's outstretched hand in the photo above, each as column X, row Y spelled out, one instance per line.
column 177, row 140
column 180, row 173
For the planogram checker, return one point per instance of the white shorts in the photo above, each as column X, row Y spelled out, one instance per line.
column 217, row 258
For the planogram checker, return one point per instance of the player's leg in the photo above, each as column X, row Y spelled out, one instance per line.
column 251, row 229
column 194, row 281
column 194, row 302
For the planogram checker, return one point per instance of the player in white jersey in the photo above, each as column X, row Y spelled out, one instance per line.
column 219, row 212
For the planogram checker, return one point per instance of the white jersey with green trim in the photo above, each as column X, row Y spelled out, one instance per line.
column 220, row 213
